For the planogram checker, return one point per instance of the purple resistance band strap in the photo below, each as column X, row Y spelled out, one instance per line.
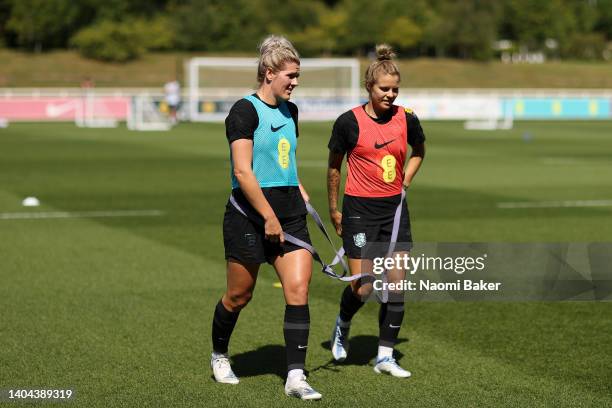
column 328, row 269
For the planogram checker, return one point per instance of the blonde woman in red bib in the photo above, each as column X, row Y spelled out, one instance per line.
column 374, row 138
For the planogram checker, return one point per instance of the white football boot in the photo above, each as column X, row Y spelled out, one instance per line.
column 296, row 386
column 339, row 341
column 388, row 365
column 222, row 370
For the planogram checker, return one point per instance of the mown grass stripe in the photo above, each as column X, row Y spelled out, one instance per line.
column 80, row 214
column 556, row 204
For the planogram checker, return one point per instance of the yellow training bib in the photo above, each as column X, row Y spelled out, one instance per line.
column 388, row 165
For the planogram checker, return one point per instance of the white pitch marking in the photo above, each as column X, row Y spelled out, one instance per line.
column 557, row 204
column 80, row 214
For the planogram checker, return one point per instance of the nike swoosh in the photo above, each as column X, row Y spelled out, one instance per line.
column 55, row 110
column 378, row 146
column 394, row 327
column 274, row 129
column 302, row 347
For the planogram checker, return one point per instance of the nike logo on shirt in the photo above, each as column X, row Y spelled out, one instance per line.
column 378, row 146
column 274, row 129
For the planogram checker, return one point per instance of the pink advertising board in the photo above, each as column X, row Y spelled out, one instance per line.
column 31, row 108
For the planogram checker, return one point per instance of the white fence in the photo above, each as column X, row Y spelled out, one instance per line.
column 61, row 104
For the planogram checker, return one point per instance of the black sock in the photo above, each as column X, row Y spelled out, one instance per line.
column 349, row 304
column 222, row 327
column 390, row 320
column 296, row 330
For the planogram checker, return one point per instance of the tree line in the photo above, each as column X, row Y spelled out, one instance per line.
column 121, row 30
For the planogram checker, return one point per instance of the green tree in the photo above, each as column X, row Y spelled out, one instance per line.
column 531, row 23
column 604, row 20
column 402, row 33
column 323, row 37
column 214, row 25
column 218, row 25
column 364, row 25
column 5, row 13
column 588, row 46
column 288, row 16
column 119, row 10
column 109, row 41
column 121, row 41
column 39, row 24
column 584, row 42
column 465, row 29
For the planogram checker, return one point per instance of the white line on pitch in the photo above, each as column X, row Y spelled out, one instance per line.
column 80, row 214
column 557, row 204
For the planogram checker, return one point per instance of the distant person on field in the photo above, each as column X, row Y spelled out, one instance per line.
column 375, row 138
column 87, row 83
column 87, row 86
column 262, row 131
column 172, row 91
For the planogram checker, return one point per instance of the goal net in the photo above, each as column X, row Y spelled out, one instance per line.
column 327, row 86
column 144, row 114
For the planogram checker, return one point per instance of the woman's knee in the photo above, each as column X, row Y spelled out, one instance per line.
column 362, row 291
column 297, row 293
column 237, row 300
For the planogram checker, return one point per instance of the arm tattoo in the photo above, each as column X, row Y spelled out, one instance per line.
column 333, row 180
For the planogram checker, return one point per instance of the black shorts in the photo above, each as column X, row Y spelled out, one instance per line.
column 244, row 240
column 363, row 239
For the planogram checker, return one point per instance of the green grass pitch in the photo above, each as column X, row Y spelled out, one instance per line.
column 120, row 308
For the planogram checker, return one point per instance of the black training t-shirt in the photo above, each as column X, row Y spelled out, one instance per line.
column 345, row 134
column 241, row 123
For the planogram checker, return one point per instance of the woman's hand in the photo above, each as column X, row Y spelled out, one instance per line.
column 336, row 219
column 273, row 230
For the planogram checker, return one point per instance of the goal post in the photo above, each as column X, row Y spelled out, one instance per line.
column 500, row 118
column 327, row 86
column 144, row 114
column 91, row 111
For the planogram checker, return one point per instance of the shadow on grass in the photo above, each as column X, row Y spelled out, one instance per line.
column 270, row 359
column 362, row 350
column 264, row 360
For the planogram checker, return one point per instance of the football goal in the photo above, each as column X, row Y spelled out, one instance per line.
column 327, row 86
column 91, row 112
column 495, row 119
column 144, row 114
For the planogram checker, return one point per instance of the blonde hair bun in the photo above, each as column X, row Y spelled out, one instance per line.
column 384, row 52
column 384, row 64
